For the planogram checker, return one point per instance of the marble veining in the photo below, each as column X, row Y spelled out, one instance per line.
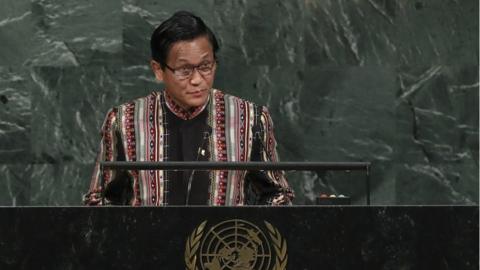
column 391, row 82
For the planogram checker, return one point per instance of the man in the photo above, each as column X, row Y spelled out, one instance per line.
column 188, row 121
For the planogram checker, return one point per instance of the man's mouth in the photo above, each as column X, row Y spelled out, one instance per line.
column 195, row 93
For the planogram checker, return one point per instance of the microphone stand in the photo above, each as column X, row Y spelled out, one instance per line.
column 206, row 134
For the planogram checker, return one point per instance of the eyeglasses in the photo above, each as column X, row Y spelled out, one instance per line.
column 185, row 72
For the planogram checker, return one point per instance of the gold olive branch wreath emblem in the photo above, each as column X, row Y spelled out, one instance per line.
column 193, row 243
column 191, row 247
column 280, row 246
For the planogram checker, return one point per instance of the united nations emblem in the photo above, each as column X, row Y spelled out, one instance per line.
column 235, row 245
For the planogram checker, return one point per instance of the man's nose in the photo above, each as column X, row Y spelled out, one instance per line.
column 196, row 77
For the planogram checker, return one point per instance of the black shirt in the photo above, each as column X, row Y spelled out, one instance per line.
column 188, row 140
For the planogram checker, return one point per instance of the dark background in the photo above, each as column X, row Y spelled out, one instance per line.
column 391, row 82
column 362, row 238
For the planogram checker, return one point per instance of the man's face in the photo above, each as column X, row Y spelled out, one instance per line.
column 191, row 91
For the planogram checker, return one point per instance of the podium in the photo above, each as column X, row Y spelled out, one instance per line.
column 257, row 237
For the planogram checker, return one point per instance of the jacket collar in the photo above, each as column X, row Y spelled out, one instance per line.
column 181, row 112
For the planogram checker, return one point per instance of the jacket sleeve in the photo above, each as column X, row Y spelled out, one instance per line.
column 109, row 186
column 267, row 187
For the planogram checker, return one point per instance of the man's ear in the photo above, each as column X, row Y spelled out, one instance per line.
column 157, row 70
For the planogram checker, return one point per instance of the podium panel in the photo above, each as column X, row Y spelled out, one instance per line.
column 211, row 238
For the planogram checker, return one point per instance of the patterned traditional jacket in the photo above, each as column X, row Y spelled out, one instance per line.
column 136, row 131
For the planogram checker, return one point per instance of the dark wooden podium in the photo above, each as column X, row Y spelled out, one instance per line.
column 295, row 238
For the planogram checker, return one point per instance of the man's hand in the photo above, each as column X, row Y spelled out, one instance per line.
column 281, row 199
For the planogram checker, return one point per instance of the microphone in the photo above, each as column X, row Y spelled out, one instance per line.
column 200, row 151
column 257, row 130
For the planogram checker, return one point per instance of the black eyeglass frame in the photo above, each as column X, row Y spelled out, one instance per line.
column 193, row 68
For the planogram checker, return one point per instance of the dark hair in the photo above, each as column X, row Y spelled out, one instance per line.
column 182, row 26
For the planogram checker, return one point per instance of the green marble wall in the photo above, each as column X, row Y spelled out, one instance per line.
column 392, row 82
